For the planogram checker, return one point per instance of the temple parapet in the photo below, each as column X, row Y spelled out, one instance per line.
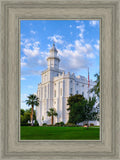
column 79, row 78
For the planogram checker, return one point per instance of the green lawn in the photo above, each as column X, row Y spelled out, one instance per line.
column 59, row 133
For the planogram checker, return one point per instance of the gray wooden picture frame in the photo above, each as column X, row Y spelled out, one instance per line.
column 12, row 11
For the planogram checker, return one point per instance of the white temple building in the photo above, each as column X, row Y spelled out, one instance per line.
column 56, row 87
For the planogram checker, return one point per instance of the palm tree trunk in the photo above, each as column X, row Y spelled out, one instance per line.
column 52, row 120
column 32, row 116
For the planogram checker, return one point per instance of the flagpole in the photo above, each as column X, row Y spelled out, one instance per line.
column 88, row 83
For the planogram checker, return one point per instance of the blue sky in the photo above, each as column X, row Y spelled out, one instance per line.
column 77, row 42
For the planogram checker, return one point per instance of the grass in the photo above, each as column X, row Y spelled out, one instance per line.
column 59, row 133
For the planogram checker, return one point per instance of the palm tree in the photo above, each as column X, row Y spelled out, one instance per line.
column 32, row 100
column 51, row 113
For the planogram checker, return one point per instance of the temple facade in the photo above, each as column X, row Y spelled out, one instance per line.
column 56, row 87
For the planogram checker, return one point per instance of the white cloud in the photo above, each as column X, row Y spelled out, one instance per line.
column 43, row 62
column 31, row 48
column 33, row 32
column 30, row 62
column 49, row 46
column 30, row 71
column 73, row 57
column 30, row 52
column 56, row 39
column 23, row 96
column 22, row 43
column 94, row 22
column 98, row 41
column 23, row 63
column 82, row 29
column 69, row 46
column 81, row 35
column 30, row 87
column 76, row 56
column 97, row 45
column 90, row 55
column 22, row 78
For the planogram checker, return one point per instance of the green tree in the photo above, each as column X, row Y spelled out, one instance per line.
column 81, row 109
column 27, row 117
column 32, row 100
column 21, row 119
column 51, row 113
column 90, row 112
column 76, row 108
column 96, row 88
column 22, row 111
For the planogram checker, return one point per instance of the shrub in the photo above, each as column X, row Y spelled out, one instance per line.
column 44, row 124
column 36, row 123
column 61, row 123
column 71, row 125
column 25, row 118
column 57, row 124
column 91, row 124
column 22, row 118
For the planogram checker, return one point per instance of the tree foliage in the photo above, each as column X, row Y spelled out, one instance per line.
column 51, row 113
column 90, row 113
column 32, row 100
column 96, row 88
column 81, row 109
column 22, row 111
column 26, row 117
column 76, row 108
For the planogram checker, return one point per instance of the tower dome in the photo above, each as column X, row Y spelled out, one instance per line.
column 53, row 59
column 53, row 49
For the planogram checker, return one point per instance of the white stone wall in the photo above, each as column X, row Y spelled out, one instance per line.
column 54, row 90
column 54, row 94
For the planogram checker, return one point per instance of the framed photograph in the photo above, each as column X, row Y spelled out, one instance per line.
column 52, row 105
column 60, row 86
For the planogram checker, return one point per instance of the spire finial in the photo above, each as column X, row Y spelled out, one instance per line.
column 53, row 43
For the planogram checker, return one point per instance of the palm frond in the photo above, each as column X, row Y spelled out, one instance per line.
column 32, row 100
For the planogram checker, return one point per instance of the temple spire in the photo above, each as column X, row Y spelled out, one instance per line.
column 53, row 43
column 53, row 50
column 53, row 59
